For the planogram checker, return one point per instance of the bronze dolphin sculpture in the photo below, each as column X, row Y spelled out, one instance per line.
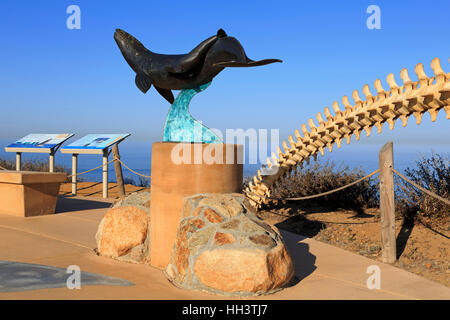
column 183, row 71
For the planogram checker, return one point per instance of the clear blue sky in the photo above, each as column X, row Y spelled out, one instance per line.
column 57, row 80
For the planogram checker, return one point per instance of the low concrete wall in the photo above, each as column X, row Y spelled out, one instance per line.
column 26, row 193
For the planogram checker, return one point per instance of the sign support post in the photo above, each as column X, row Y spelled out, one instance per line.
column 74, row 173
column 51, row 161
column 105, row 173
column 18, row 161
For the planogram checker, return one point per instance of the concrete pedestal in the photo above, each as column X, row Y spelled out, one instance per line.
column 183, row 169
column 25, row 193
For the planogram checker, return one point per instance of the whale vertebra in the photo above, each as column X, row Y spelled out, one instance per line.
column 183, row 71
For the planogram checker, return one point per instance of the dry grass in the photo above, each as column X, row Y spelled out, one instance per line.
column 32, row 165
column 318, row 177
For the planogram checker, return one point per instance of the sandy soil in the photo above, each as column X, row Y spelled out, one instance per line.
column 95, row 189
column 421, row 249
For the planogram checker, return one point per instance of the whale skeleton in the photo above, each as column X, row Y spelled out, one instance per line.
column 428, row 94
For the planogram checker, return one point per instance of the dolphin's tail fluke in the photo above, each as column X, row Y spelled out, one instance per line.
column 228, row 52
column 248, row 63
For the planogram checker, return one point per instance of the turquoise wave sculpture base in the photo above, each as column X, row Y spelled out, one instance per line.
column 180, row 126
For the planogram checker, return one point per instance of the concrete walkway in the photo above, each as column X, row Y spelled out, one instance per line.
column 68, row 238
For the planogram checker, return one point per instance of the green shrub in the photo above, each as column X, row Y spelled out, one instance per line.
column 128, row 180
column 432, row 174
column 142, row 182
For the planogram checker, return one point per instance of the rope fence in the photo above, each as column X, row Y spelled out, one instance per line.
column 79, row 174
column 353, row 183
column 288, row 199
column 101, row 166
column 323, row 193
column 297, row 198
column 98, row 167
column 137, row 173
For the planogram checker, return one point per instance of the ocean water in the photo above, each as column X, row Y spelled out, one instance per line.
column 137, row 155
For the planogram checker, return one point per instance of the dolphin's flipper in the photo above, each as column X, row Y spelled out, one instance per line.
column 166, row 93
column 143, row 82
column 192, row 59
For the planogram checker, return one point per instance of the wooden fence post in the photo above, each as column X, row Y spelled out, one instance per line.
column 118, row 170
column 387, row 205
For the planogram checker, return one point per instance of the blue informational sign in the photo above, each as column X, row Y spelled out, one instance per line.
column 97, row 141
column 41, row 141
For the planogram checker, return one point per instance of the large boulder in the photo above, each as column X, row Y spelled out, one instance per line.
column 222, row 247
column 140, row 200
column 123, row 233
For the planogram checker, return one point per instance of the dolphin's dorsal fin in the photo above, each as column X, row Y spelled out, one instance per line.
column 166, row 93
column 221, row 33
column 143, row 82
column 189, row 61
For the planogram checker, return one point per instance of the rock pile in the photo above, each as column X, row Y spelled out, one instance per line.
column 222, row 247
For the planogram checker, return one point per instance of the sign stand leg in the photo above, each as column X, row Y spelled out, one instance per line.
column 51, row 162
column 18, row 160
column 105, row 173
column 74, row 174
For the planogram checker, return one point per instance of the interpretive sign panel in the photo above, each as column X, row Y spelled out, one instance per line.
column 34, row 142
column 94, row 143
